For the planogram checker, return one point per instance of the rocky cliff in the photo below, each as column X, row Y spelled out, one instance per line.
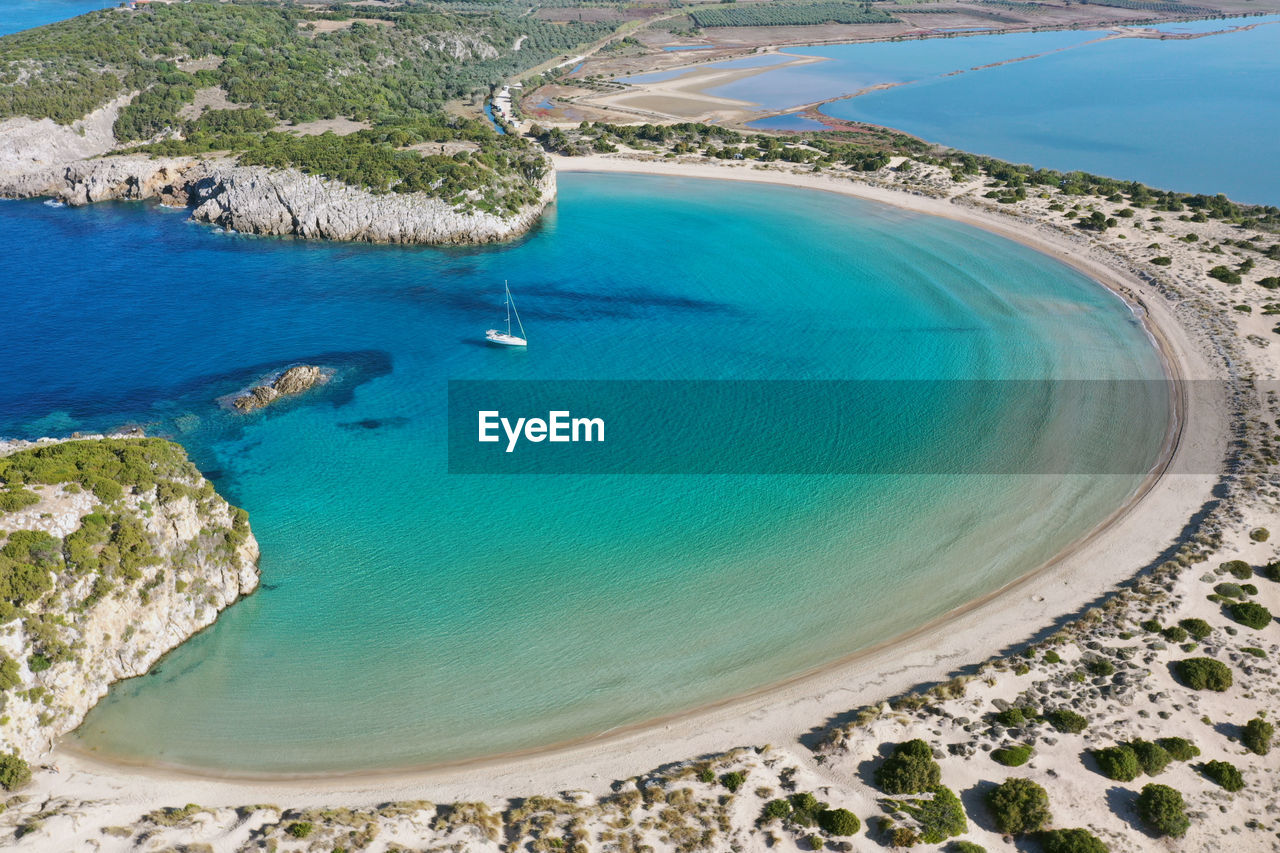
column 259, row 200
column 112, row 552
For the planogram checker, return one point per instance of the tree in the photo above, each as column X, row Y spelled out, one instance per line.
column 1019, row 806
column 1163, row 810
column 910, row 770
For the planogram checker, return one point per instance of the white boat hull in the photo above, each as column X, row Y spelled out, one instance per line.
column 493, row 336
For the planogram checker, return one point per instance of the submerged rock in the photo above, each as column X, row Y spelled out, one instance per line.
column 295, row 380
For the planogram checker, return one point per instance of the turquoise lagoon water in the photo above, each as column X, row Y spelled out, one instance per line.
column 1195, row 115
column 408, row 616
column 18, row 15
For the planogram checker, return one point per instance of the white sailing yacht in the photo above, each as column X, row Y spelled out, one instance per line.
column 493, row 336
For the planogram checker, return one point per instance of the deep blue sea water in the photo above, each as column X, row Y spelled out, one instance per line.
column 1195, row 115
column 24, row 14
column 408, row 615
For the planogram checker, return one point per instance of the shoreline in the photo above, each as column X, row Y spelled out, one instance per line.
column 807, row 701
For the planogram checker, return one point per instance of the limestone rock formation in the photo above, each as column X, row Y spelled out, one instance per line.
column 295, row 380
column 121, row 571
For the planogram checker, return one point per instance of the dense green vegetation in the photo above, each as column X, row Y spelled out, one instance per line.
column 939, row 815
column 270, row 56
column 1256, row 736
column 1012, row 756
column 911, row 769
column 1250, row 614
column 1204, row 674
column 1118, row 762
column 1179, row 748
column 1019, row 806
column 839, row 821
column 1067, row 721
column 1163, row 810
column 782, row 14
column 14, row 771
column 1224, row 774
column 1071, row 841
column 395, row 74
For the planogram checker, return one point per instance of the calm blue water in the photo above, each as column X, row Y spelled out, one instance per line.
column 24, row 14
column 791, row 121
column 409, row 616
column 1196, row 115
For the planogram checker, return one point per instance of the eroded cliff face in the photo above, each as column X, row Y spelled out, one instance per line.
column 258, row 200
column 104, row 572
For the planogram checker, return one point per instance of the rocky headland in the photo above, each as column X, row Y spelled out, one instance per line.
column 112, row 552
column 73, row 164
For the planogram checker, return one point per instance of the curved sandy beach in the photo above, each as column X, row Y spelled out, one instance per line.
column 782, row 714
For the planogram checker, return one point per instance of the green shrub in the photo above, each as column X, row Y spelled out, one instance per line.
column 1260, row 534
column 1175, row 634
column 1271, row 571
column 733, row 781
column 1229, row 590
column 909, row 770
column 1072, row 841
column 14, row 499
column 1257, row 736
column 14, row 771
column 805, row 808
column 1255, row 651
column 1197, row 628
column 775, row 810
column 965, row 847
column 1019, row 806
column 1162, row 261
column 38, row 663
column 1162, row 810
column 10, row 672
column 1118, row 762
column 1179, row 748
column 1238, row 569
column 1250, row 614
column 1100, row 666
column 1203, row 674
column 940, row 817
column 1011, row 717
column 300, row 829
column 1223, row 774
column 1249, row 589
column 839, row 821
column 1012, row 756
column 706, row 775
column 1066, row 720
column 1151, row 626
column 1226, row 275
column 1153, row 757
column 816, row 842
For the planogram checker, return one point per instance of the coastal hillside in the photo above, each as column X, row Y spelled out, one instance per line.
column 112, row 552
column 382, row 101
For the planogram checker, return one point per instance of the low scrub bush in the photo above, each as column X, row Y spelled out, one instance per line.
column 733, row 781
column 1118, row 762
column 839, row 822
column 1257, row 736
column 1197, row 628
column 1239, row 569
column 1066, row 720
column 909, row 770
column 1224, row 774
column 1012, row 756
column 1203, row 674
column 1153, row 757
column 1179, row 748
column 941, row 816
column 1072, row 841
column 1162, row 809
column 1250, row 614
column 1019, row 806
